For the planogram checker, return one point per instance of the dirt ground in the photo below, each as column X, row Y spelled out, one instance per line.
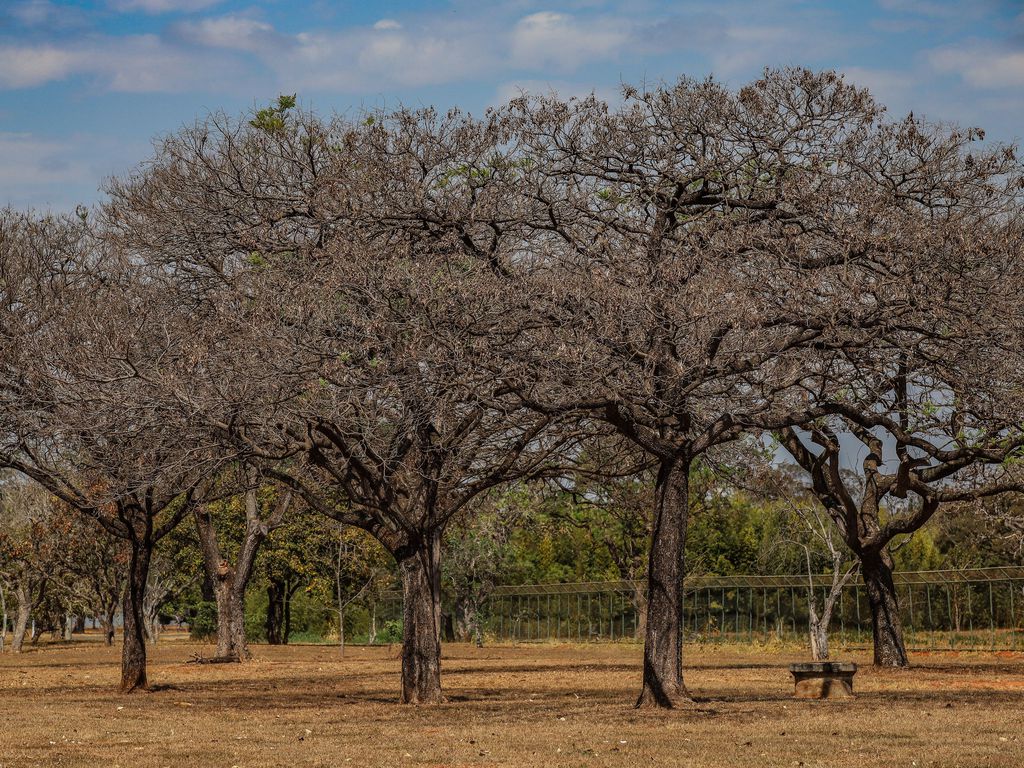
column 529, row 705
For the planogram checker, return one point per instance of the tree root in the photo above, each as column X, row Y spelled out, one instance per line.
column 198, row 658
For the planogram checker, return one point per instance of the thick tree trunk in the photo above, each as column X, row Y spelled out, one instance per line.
column 230, row 582
column 886, row 627
column 153, row 628
column 133, row 650
column 231, row 619
column 663, row 634
column 420, row 566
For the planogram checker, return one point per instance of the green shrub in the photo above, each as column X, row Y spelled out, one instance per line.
column 203, row 626
column 390, row 632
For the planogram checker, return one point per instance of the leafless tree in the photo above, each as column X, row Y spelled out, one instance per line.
column 357, row 569
column 353, row 331
column 930, row 408
column 691, row 253
column 77, row 413
column 398, row 313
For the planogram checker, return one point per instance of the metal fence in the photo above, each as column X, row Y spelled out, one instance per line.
column 979, row 608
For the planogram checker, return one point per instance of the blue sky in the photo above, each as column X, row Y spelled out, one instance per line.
column 86, row 85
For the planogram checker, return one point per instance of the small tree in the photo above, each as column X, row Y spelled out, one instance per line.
column 479, row 553
column 262, row 510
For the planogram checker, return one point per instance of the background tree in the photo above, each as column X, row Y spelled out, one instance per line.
column 90, row 566
column 25, row 549
column 230, row 564
column 479, row 551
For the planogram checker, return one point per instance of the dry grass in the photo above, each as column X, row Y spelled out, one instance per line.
column 532, row 705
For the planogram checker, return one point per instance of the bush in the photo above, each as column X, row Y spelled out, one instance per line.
column 203, row 625
column 390, row 632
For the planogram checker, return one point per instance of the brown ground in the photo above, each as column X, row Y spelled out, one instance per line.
column 531, row 705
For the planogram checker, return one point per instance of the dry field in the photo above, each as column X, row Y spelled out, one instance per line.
column 531, row 705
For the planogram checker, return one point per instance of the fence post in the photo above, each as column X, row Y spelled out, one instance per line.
column 991, row 617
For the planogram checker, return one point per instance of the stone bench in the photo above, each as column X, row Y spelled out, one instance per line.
column 823, row 679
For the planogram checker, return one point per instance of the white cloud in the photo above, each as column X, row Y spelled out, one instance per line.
column 548, row 39
column 23, row 66
column 137, row 63
column 983, row 65
column 231, row 32
column 387, row 24
column 364, row 59
column 33, row 12
column 161, row 6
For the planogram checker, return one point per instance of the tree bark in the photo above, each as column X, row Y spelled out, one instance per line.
column 886, row 626
column 274, row 624
column 230, row 610
column 818, row 629
column 231, row 582
column 289, row 590
column 133, row 650
column 108, row 626
column 3, row 618
column 21, row 618
column 420, row 567
column 663, row 634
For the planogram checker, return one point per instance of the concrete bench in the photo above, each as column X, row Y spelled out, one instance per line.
column 823, row 679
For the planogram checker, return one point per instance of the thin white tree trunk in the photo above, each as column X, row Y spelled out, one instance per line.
column 3, row 618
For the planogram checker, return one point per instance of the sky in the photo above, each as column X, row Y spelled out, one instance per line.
column 86, row 86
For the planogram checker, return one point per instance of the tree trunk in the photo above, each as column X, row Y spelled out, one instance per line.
column 21, row 618
column 372, row 639
column 420, row 566
column 289, row 591
column 341, row 630
column 69, row 627
column 133, row 650
column 230, row 582
column 275, row 612
column 663, row 636
column 818, row 629
column 886, row 627
column 108, row 626
column 231, row 619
